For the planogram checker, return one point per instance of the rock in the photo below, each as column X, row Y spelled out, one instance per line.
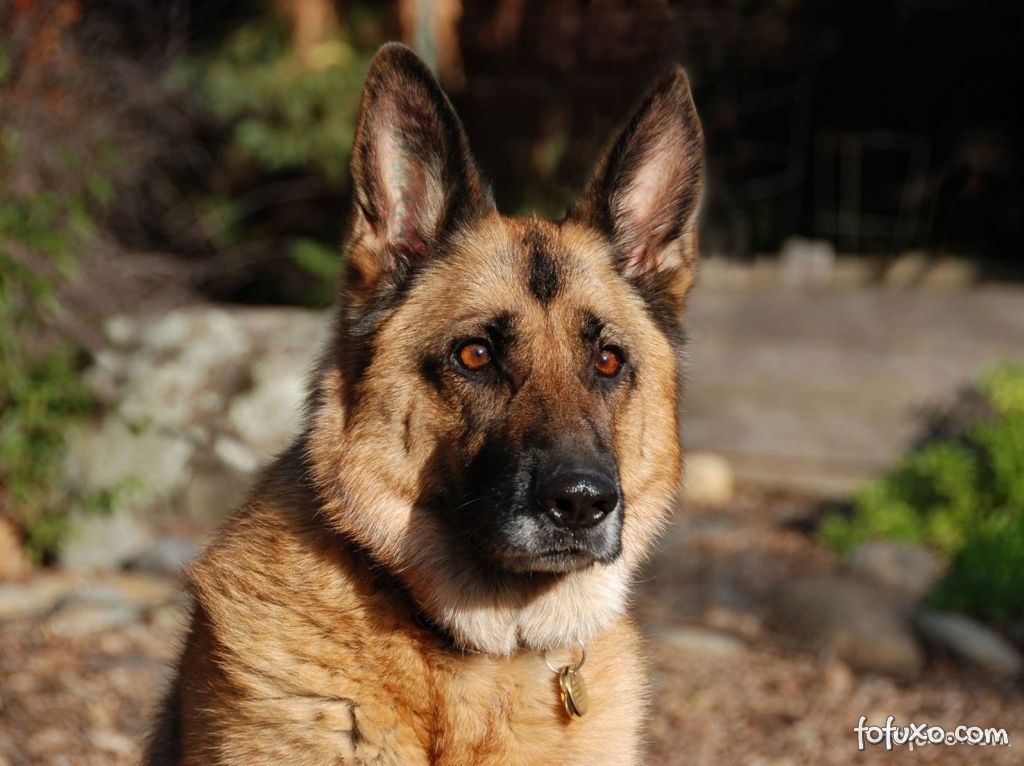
column 85, row 618
column 197, row 400
column 852, row 271
column 698, row 640
column 918, row 269
column 213, row 490
column 14, row 564
column 236, row 455
column 948, row 273
column 112, row 741
column 806, row 262
column 173, row 370
column 50, row 590
column 838, row 678
column 140, row 590
column 708, row 479
column 109, row 602
column 955, row 420
column 902, row 568
column 269, row 415
column 847, row 620
column 171, row 618
column 121, row 330
column 167, row 556
column 140, row 464
column 971, row 642
column 907, row 270
column 740, row 623
column 104, row 541
column 36, row 596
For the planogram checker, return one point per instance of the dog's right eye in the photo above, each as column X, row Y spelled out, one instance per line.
column 474, row 355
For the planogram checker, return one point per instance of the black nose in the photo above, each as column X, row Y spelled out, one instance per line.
column 576, row 498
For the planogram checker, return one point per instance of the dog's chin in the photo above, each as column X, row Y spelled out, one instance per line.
column 554, row 561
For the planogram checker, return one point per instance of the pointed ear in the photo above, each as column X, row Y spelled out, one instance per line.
column 645, row 193
column 412, row 172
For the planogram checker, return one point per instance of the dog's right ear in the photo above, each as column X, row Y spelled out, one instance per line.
column 413, row 176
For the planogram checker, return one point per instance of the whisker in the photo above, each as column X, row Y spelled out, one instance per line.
column 469, row 502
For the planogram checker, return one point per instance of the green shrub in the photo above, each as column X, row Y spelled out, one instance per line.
column 41, row 393
column 39, row 403
column 965, row 498
column 283, row 113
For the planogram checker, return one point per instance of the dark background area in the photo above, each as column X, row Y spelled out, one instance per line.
column 879, row 127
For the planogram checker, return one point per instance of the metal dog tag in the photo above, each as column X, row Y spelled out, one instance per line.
column 574, row 692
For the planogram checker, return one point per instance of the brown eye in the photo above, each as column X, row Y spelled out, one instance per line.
column 608, row 362
column 474, row 355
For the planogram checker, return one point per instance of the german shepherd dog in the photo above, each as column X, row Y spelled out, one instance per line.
column 491, row 447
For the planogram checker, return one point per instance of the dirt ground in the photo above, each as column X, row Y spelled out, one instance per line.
column 724, row 690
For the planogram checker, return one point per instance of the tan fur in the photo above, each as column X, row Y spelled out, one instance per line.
column 340, row 618
column 301, row 655
column 374, row 502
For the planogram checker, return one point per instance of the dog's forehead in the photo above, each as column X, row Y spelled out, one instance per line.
column 532, row 263
column 550, row 281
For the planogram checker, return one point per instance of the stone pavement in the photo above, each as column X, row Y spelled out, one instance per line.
column 814, row 391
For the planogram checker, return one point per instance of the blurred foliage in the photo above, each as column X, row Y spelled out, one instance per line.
column 286, row 113
column 289, row 118
column 322, row 262
column 41, row 393
column 964, row 497
column 40, row 404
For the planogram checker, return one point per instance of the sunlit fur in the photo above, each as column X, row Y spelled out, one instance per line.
column 373, row 481
column 361, row 607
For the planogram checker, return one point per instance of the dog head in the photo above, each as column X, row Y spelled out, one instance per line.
column 496, row 421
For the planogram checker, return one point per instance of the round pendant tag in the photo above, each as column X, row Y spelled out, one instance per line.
column 574, row 692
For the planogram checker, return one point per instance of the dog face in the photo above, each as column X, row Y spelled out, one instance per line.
column 497, row 420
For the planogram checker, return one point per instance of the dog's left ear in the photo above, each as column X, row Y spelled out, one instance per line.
column 645, row 193
column 413, row 177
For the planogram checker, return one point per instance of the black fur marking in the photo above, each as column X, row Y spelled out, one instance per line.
column 502, row 331
column 653, row 288
column 164, row 745
column 356, row 734
column 592, row 329
column 631, row 376
column 360, row 321
column 544, row 280
column 432, row 368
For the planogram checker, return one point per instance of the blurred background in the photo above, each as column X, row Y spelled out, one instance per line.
column 173, row 188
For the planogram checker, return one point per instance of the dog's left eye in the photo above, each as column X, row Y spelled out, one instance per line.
column 474, row 355
column 608, row 362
